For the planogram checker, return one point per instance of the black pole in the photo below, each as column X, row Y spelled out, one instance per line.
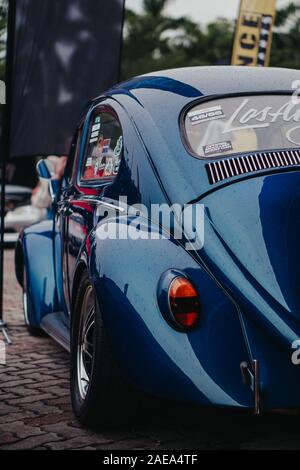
column 5, row 141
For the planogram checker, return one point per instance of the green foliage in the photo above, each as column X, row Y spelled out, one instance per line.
column 286, row 38
column 155, row 41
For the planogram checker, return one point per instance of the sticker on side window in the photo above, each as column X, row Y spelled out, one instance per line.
column 96, row 127
column 204, row 115
column 119, row 146
column 109, row 167
column 94, row 134
column 219, row 147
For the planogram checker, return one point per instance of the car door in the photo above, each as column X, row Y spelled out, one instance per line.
column 60, row 224
column 98, row 165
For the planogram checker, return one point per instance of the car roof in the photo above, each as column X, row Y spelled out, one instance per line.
column 212, row 80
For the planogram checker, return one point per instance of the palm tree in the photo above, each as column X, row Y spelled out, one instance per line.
column 285, row 49
column 149, row 38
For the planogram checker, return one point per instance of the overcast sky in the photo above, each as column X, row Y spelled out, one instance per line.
column 202, row 11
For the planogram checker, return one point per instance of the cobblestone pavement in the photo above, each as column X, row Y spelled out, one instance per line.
column 35, row 411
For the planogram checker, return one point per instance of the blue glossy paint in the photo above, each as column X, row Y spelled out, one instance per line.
column 246, row 274
column 155, row 356
column 255, row 257
column 37, row 243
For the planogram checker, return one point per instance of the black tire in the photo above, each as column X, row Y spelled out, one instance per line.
column 108, row 396
column 32, row 330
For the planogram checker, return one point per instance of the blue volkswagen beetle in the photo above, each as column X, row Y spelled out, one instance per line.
column 203, row 308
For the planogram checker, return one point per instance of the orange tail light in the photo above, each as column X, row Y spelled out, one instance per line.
column 184, row 303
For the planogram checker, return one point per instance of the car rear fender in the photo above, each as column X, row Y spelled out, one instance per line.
column 201, row 366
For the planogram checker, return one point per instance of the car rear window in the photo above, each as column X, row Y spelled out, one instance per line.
column 243, row 124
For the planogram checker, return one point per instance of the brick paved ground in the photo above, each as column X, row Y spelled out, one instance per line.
column 35, row 411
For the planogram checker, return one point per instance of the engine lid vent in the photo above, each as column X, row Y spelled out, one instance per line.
column 227, row 168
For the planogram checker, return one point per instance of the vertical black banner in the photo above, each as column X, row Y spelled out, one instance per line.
column 65, row 52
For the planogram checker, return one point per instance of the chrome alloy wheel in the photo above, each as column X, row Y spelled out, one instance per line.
column 85, row 345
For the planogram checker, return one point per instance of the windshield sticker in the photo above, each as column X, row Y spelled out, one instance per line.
column 250, row 123
column 219, row 147
column 264, row 117
column 204, row 115
column 255, row 118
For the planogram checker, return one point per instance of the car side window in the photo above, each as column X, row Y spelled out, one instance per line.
column 72, row 158
column 104, row 147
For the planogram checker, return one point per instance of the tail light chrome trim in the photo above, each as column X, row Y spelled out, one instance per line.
column 221, row 170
